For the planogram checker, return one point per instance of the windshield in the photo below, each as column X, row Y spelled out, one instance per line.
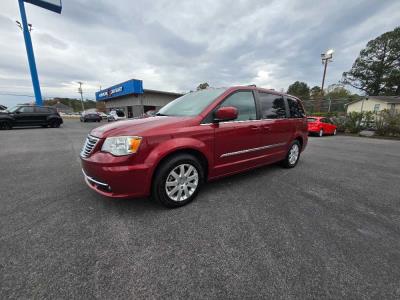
column 191, row 104
column 14, row 109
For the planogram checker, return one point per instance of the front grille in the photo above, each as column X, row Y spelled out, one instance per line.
column 89, row 145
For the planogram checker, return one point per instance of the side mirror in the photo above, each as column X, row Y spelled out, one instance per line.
column 17, row 112
column 225, row 114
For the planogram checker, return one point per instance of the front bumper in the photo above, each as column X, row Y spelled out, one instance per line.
column 117, row 181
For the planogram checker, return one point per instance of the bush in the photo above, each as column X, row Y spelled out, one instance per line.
column 353, row 122
column 387, row 123
column 340, row 123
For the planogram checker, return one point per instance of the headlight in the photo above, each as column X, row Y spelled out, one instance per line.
column 121, row 145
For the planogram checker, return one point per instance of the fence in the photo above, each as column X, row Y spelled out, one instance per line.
column 326, row 105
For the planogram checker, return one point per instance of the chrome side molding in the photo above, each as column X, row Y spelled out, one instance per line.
column 253, row 149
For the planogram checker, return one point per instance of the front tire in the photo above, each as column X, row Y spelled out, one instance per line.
column 178, row 180
column 293, row 155
column 6, row 125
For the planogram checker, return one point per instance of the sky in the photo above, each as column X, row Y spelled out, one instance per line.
column 175, row 45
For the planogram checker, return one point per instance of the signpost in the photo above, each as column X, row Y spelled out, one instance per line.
column 53, row 5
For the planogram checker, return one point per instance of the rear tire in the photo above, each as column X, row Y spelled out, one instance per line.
column 293, row 155
column 177, row 180
column 54, row 124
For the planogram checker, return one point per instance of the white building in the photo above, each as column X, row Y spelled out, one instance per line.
column 375, row 104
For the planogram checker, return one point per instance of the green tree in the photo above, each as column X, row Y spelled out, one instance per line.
column 337, row 91
column 376, row 70
column 315, row 92
column 299, row 89
column 75, row 104
column 203, row 86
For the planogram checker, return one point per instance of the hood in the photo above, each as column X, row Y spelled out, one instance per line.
column 139, row 126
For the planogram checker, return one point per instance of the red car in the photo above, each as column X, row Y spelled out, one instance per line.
column 200, row 136
column 321, row 126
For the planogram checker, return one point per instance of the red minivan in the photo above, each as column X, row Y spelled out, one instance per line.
column 201, row 136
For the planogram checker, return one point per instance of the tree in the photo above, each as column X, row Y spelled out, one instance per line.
column 376, row 70
column 202, row 86
column 299, row 89
column 75, row 104
column 315, row 92
column 337, row 91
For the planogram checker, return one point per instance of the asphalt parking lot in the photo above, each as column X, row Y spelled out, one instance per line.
column 330, row 228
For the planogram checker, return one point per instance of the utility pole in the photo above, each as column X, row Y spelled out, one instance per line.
column 330, row 101
column 81, row 92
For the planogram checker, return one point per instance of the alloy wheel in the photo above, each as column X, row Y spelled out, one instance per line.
column 5, row 125
column 182, row 182
column 294, row 154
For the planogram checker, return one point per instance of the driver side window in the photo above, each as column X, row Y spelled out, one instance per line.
column 244, row 103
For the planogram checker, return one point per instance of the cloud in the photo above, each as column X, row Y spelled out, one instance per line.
column 46, row 39
column 174, row 46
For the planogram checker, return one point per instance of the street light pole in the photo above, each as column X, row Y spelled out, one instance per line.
column 323, row 77
column 29, row 51
column 326, row 58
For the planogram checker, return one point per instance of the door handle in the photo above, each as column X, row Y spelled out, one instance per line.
column 267, row 128
column 253, row 127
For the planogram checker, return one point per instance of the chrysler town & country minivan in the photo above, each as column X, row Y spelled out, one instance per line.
column 201, row 136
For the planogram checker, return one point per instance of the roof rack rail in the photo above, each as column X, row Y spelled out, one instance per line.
column 252, row 85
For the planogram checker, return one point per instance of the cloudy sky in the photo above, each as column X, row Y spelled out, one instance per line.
column 175, row 45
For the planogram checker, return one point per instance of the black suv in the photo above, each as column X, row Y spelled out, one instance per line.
column 29, row 115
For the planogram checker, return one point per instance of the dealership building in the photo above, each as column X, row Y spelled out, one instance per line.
column 130, row 97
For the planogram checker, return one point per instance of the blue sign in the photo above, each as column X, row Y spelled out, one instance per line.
column 129, row 87
column 53, row 5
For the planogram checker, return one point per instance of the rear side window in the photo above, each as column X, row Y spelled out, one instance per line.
column 272, row 106
column 311, row 120
column 244, row 102
column 325, row 120
column 295, row 108
column 42, row 110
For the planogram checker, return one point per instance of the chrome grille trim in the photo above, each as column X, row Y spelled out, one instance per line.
column 89, row 145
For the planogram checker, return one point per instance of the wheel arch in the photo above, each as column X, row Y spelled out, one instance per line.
column 300, row 139
column 187, row 150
